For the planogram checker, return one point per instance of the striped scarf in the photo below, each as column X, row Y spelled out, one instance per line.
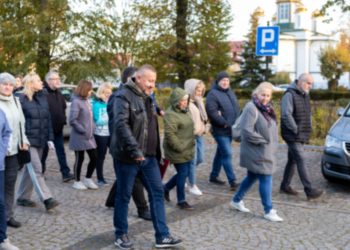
column 266, row 110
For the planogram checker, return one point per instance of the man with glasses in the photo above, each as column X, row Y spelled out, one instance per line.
column 296, row 129
column 57, row 106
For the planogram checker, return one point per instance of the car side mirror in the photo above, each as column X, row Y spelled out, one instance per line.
column 340, row 112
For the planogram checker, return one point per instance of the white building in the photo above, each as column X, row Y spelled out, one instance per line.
column 301, row 37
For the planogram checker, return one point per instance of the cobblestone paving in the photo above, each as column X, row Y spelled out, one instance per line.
column 83, row 222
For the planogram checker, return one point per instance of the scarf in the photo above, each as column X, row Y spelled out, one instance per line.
column 266, row 110
column 200, row 105
column 182, row 110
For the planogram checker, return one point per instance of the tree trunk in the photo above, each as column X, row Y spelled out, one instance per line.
column 333, row 84
column 44, row 55
column 182, row 57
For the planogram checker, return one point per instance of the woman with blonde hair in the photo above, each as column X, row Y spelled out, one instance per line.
column 101, row 134
column 39, row 132
column 81, row 137
column 196, row 89
column 259, row 145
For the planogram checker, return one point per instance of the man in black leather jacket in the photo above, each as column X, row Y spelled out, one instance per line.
column 136, row 146
column 138, row 190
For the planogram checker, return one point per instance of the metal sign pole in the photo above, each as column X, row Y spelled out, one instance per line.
column 267, row 63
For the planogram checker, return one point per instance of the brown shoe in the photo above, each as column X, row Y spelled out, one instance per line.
column 184, row 206
column 314, row 194
column 288, row 190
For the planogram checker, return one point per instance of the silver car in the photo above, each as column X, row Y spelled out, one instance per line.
column 335, row 162
column 67, row 91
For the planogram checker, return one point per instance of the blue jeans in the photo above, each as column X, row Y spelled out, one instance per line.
column 223, row 158
column 149, row 174
column 102, row 145
column 179, row 180
column 198, row 159
column 61, row 154
column 265, row 189
column 3, row 222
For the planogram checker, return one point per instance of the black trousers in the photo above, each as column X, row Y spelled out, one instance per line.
column 296, row 160
column 79, row 159
column 137, row 194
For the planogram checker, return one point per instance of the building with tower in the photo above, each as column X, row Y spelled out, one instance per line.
column 302, row 34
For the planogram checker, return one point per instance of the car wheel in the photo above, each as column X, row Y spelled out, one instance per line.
column 326, row 176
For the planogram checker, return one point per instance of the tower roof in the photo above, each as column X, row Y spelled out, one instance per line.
column 300, row 8
column 317, row 13
column 259, row 11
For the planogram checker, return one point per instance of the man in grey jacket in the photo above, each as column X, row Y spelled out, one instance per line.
column 296, row 129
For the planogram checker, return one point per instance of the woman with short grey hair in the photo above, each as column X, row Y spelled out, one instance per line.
column 13, row 109
column 258, row 149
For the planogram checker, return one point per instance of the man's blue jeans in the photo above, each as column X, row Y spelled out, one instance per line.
column 179, row 180
column 149, row 174
column 3, row 222
column 223, row 158
column 61, row 154
column 198, row 159
column 265, row 189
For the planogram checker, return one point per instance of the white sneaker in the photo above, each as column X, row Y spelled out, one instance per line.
column 195, row 190
column 90, row 184
column 272, row 216
column 79, row 185
column 6, row 245
column 239, row 206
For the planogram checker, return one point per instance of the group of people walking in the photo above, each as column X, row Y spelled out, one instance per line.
column 32, row 118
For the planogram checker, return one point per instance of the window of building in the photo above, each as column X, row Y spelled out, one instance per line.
column 284, row 11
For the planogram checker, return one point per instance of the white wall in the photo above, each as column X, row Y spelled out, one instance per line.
column 303, row 52
column 314, row 51
column 319, row 82
column 285, row 61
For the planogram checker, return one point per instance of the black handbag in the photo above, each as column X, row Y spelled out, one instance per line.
column 23, row 156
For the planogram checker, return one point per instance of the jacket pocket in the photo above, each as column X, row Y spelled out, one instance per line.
column 136, row 113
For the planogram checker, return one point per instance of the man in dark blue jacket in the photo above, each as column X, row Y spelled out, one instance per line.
column 222, row 109
column 137, row 193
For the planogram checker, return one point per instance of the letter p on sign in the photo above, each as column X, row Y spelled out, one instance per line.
column 266, row 39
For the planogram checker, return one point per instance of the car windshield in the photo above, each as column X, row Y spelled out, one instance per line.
column 67, row 93
column 347, row 112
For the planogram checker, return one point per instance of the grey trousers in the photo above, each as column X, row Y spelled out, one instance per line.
column 296, row 159
column 33, row 177
column 11, row 169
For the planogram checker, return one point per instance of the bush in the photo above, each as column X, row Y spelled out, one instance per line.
column 163, row 92
column 343, row 102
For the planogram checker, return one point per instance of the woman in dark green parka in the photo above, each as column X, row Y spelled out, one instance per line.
column 179, row 144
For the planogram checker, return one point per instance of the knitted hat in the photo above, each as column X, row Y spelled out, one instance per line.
column 6, row 77
column 221, row 76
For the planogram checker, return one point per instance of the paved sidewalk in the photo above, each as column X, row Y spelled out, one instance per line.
column 83, row 222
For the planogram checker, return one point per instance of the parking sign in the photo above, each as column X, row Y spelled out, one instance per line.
column 267, row 41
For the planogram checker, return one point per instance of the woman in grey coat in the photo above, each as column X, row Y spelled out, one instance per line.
column 82, row 134
column 258, row 149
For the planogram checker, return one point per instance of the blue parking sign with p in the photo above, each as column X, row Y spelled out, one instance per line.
column 267, row 41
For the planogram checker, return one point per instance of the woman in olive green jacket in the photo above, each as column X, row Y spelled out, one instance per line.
column 179, row 144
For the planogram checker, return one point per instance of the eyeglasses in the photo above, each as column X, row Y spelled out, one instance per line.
column 55, row 79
